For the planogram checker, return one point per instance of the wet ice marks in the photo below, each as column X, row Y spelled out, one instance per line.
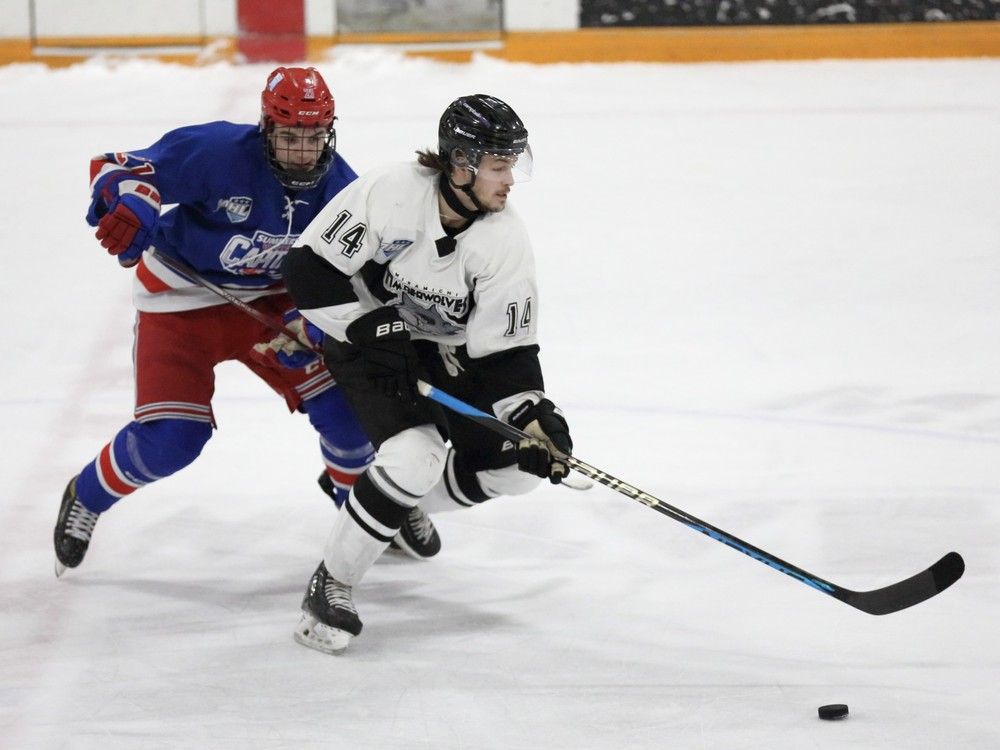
column 965, row 413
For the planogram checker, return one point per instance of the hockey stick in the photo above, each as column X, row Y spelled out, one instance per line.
column 883, row 601
column 182, row 268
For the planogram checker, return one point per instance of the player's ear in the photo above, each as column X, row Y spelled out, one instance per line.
column 459, row 175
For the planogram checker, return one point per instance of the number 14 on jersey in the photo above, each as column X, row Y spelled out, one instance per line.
column 518, row 317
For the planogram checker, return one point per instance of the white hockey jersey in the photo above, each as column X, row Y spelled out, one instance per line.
column 384, row 231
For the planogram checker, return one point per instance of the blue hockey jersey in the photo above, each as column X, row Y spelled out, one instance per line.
column 233, row 221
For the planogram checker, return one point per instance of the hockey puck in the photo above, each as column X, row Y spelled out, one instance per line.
column 833, row 711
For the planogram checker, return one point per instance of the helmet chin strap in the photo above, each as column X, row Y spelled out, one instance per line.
column 448, row 188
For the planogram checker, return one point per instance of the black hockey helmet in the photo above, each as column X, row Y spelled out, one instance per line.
column 477, row 125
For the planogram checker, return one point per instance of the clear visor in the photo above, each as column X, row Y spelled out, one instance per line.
column 507, row 168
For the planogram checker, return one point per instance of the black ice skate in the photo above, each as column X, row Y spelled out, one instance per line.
column 329, row 619
column 74, row 527
column 417, row 538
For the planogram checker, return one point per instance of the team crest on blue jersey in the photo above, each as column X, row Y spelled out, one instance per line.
column 237, row 207
column 257, row 255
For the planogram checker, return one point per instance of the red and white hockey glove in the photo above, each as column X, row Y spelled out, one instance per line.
column 540, row 456
column 125, row 212
column 298, row 353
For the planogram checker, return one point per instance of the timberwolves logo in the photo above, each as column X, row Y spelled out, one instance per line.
column 237, row 208
column 427, row 311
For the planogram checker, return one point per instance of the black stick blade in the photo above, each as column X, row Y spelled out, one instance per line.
column 914, row 590
column 882, row 601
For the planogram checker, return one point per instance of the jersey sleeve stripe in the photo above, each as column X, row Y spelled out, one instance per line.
column 152, row 283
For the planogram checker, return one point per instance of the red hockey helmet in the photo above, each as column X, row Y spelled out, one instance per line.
column 298, row 98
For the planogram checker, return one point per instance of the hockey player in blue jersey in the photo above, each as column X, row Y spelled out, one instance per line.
column 243, row 193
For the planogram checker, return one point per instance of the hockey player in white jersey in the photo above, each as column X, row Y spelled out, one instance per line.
column 421, row 270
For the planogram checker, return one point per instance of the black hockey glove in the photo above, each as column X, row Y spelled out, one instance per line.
column 540, row 456
column 389, row 360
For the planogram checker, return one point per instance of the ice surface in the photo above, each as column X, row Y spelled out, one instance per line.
column 770, row 295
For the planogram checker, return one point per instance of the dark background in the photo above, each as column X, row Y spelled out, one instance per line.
column 619, row 13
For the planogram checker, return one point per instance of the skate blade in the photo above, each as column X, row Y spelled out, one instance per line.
column 60, row 568
column 401, row 548
column 311, row 633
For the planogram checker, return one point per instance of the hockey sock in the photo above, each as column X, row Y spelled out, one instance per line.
column 463, row 487
column 345, row 447
column 362, row 530
column 140, row 453
column 457, row 488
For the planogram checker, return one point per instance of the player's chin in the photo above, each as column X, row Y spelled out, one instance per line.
column 296, row 167
column 498, row 203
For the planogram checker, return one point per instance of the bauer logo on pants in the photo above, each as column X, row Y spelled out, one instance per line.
column 237, row 208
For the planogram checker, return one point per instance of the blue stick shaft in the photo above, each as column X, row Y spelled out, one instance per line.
column 881, row 601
